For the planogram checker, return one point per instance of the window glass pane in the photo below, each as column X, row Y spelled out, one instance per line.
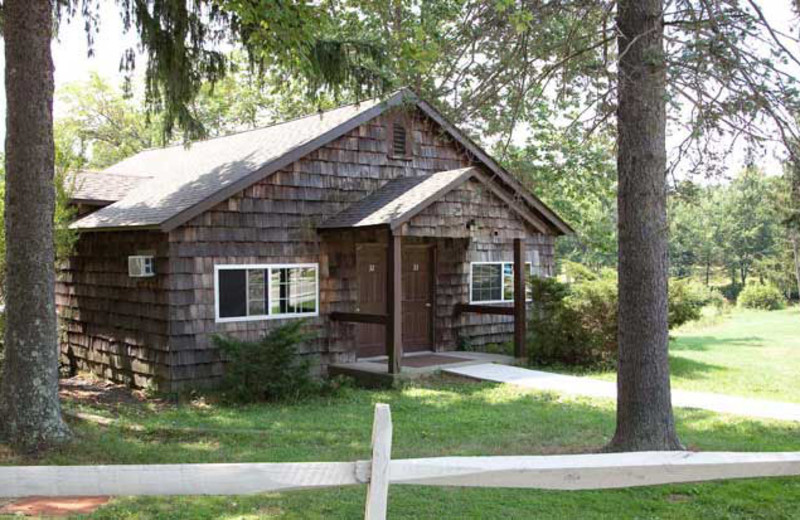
column 486, row 282
column 256, row 292
column 293, row 290
column 508, row 282
column 528, row 283
column 232, row 293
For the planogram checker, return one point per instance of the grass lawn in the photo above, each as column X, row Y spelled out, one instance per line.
column 746, row 353
column 436, row 418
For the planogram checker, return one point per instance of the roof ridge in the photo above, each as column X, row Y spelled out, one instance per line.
column 285, row 121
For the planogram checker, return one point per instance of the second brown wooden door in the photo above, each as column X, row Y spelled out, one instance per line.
column 417, row 299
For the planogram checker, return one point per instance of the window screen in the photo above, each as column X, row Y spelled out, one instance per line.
column 266, row 291
column 232, row 287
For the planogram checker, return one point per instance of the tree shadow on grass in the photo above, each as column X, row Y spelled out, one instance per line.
column 702, row 343
column 432, row 418
column 436, row 418
column 691, row 369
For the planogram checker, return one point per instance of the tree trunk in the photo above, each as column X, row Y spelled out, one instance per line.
column 644, row 405
column 29, row 387
column 795, row 238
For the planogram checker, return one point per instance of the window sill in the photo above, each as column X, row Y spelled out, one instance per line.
column 267, row 317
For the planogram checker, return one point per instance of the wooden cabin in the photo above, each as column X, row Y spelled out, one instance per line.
column 379, row 222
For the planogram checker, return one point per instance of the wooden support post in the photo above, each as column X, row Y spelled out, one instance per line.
column 378, row 487
column 520, row 350
column 394, row 303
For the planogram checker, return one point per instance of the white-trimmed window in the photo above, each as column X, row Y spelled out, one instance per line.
column 493, row 282
column 265, row 291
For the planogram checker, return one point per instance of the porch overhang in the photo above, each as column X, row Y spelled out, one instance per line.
column 396, row 203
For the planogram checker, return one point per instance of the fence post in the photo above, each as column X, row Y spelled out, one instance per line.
column 378, row 487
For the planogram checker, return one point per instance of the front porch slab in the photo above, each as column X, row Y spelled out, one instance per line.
column 373, row 372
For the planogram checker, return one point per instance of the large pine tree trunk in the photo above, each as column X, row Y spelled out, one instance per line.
column 29, row 407
column 794, row 216
column 794, row 236
column 644, row 406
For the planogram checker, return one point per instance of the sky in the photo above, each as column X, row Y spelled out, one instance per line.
column 72, row 63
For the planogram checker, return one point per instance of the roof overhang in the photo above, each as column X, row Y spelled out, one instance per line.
column 400, row 200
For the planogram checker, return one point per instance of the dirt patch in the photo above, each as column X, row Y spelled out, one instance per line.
column 678, row 498
column 63, row 506
column 95, row 392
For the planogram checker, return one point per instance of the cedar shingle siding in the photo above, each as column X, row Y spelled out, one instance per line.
column 160, row 329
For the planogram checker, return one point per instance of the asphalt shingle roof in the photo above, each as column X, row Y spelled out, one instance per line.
column 103, row 187
column 183, row 177
column 398, row 200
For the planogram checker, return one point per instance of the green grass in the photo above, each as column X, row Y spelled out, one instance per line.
column 437, row 418
column 745, row 353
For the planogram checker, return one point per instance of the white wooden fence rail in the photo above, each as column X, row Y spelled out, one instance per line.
column 566, row 472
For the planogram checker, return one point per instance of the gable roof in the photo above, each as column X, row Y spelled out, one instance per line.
column 398, row 201
column 100, row 189
column 187, row 181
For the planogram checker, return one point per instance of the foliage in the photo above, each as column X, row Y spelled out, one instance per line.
column 695, row 235
column 585, row 198
column 101, row 125
column 734, row 227
column 730, row 291
column 762, row 296
column 576, row 323
column 687, row 299
column 269, row 369
column 748, row 221
column 183, row 43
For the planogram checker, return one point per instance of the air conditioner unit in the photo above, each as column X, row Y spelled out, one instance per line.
column 141, row 266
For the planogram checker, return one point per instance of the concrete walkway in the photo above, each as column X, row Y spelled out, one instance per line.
column 584, row 386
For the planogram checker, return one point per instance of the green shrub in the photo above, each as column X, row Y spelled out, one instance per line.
column 576, row 324
column 269, row 369
column 573, row 325
column 687, row 299
column 731, row 291
column 762, row 296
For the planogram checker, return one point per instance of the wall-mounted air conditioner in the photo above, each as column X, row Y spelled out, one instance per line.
column 141, row 266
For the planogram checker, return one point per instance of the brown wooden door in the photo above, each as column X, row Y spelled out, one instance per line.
column 371, row 268
column 417, row 298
